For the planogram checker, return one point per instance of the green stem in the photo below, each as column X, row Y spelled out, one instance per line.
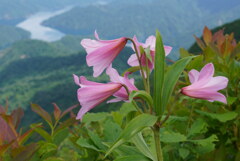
column 147, row 75
column 136, row 106
column 158, row 143
column 139, row 61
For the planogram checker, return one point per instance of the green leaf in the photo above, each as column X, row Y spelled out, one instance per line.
column 199, row 126
column 172, row 137
column 196, row 63
column 86, row 143
column 96, row 140
column 117, row 117
column 126, row 108
column 131, row 70
column 132, row 158
column 171, row 78
column 205, row 145
column 223, row 117
column 125, row 150
column 183, row 53
column 141, row 94
column 47, row 149
column 41, row 132
column 175, row 118
column 159, row 63
column 24, row 137
column 60, row 135
column 111, row 131
column 67, row 123
column 142, row 146
column 133, row 127
column 231, row 100
column 209, row 54
column 41, row 112
column 183, row 152
column 93, row 117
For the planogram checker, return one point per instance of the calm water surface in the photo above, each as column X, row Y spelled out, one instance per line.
column 40, row 32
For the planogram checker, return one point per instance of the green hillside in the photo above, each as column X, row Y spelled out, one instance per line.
column 176, row 24
column 10, row 34
column 228, row 28
column 41, row 72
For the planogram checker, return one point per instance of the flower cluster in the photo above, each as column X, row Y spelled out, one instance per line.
column 101, row 54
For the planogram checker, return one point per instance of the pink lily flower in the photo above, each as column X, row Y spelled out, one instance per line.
column 122, row 94
column 92, row 94
column 150, row 42
column 205, row 86
column 101, row 53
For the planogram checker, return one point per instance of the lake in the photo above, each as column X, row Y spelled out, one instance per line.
column 33, row 24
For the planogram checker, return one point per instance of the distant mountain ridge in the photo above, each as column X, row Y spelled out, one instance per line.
column 228, row 29
column 14, row 11
column 176, row 20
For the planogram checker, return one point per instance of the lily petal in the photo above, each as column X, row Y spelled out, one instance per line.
column 193, row 75
column 101, row 53
column 205, row 86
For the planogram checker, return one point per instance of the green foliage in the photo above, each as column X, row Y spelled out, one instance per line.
column 223, row 117
column 13, row 144
column 142, row 146
column 172, row 137
column 189, row 129
column 10, row 34
column 171, row 78
column 232, row 27
column 135, row 126
column 158, row 75
column 218, row 121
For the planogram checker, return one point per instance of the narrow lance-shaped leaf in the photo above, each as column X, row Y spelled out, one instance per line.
column 68, row 110
column 142, row 146
column 159, row 63
column 16, row 116
column 41, row 132
column 207, row 35
column 171, row 78
column 41, row 112
column 133, row 127
column 131, row 70
column 57, row 112
column 199, row 42
column 23, row 138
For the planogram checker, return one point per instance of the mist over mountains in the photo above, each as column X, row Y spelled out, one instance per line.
column 177, row 21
